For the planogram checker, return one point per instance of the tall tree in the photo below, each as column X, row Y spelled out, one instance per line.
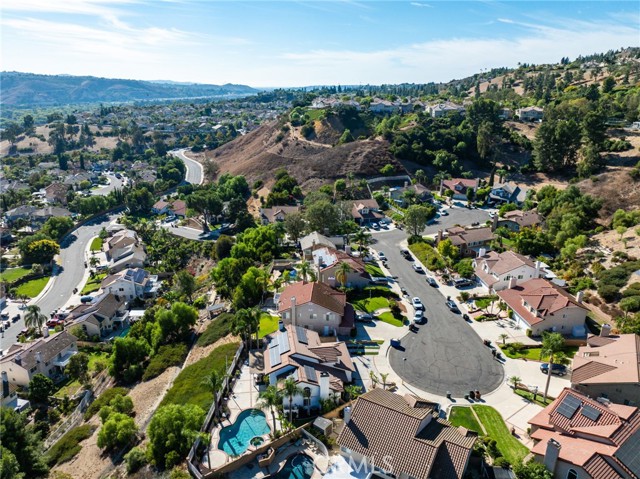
column 184, row 284
column 34, row 318
column 415, row 218
column 342, row 272
column 270, row 399
column 290, row 389
column 23, row 443
column 552, row 345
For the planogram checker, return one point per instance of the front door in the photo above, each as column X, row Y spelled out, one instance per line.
column 326, row 331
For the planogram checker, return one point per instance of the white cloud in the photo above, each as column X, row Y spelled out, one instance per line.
column 79, row 7
column 421, row 5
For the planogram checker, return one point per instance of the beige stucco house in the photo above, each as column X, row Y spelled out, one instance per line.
column 327, row 261
column 498, row 271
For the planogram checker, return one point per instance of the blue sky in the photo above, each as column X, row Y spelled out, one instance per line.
column 298, row 43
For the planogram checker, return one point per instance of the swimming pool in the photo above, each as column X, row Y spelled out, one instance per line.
column 299, row 466
column 235, row 439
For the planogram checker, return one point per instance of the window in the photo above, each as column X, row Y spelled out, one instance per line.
column 520, row 276
column 572, row 474
column 306, row 396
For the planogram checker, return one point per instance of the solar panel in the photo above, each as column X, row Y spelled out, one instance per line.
column 274, row 342
column 274, row 357
column 302, row 335
column 590, row 412
column 310, row 373
column 283, row 340
column 628, row 453
column 568, row 406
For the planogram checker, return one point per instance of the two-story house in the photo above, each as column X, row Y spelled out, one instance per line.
column 468, row 241
column 327, row 261
column 314, row 239
column 530, row 113
column 101, row 317
column 609, row 367
column 508, row 192
column 577, row 437
column 366, row 212
column 459, row 186
column 422, row 194
column 131, row 283
column 539, row 305
column 498, row 271
column 277, row 213
column 440, row 110
column 517, row 219
column 124, row 250
column 316, row 306
column 48, row 355
column 56, row 193
column 321, row 370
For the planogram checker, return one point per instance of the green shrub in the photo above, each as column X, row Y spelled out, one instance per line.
column 219, row 328
column 167, row 356
column 103, row 400
column 135, row 459
column 608, row 292
column 68, row 445
column 502, row 462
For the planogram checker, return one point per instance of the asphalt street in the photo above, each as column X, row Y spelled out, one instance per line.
column 445, row 354
column 194, row 169
column 105, row 190
column 458, row 216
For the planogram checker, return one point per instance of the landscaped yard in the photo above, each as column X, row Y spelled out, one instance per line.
column 69, row 388
column 371, row 304
column 268, row 324
column 463, row 416
column 389, row 318
column 93, row 284
column 373, row 270
column 188, row 387
column 314, row 114
column 11, row 274
column 534, row 353
column 529, row 396
column 32, row 288
column 96, row 244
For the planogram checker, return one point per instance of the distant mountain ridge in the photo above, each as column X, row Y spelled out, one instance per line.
column 30, row 89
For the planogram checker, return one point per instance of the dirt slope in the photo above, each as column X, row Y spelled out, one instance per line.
column 258, row 155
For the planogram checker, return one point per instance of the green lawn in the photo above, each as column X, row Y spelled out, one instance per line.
column 96, row 244
column 512, row 449
column 390, row 319
column 534, row 353
column 32, row 288
column 69, row 388
column 374, row 270
column 314, row 114
column 268, row 324
column 188, row 388
column 463, row 416
column 371, row 304
column 93, row 284
column 11, row 274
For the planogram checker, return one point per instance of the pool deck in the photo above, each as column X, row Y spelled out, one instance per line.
column 245, row 395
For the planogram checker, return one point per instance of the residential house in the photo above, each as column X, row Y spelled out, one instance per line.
column 508, row 192
column 12, row 185
column 517, row 219
column 160, row 207
column 10, row 397
column 530, row 113
column 505, row 114
column 124, row 250
column 440, row 110
column 469, row 241
column 386, row 433
column 43, row 214
column 310, row 241
column 383, row 106
column 422, row 194
column 539, row 305
column 366, row 212
column 316, row 306
column 19, row 213
column 459, row 186
column 576, row 437
column 176, row 208
column 327, row 261
column 498, row 271
column 74, row 179
column 320, row 369
column 609, row 367
column 277, row 213
column 131, row 283
column 101, row 317
column 56, row 193
column 48, row 355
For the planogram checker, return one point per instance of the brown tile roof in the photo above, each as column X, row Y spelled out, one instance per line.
column 316, row 293
column 504, row 262
column 271, row 213
column 460, row 236
column 523, row 218
column 179, row 208
column 546, row 298
column 463, row 183
column 598, row 467
column 596, row 341
column 48, row 348
column 615, row 362
column 383, row 424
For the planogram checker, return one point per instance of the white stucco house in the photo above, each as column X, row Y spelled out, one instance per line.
column 498, row 271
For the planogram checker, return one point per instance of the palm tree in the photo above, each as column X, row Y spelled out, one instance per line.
column 342, row 271
column 239, row 324
column 504, row 338
column 515, row 380
column 384, row 377
column 33, row 318
column 374, row 378
column 290, row 388
column 552, row 344
column 305, row 270
column 362, row 239
column 214, row 382
column 270, row 399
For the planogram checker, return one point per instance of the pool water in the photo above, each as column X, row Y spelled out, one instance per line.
column 299, row 466
column 235, row 439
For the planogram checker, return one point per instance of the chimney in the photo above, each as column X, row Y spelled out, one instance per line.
column 281, row 325
column 347, row 249
column 513, row 281
column 538, row 268
column 494, row 223
column 18, row 359
column 293, row 310
column 347, row 414
column 551, row 455
column 605, row 330
column 579, row 296
column 45, row 331
column 324, row 385
column 482, row 252
column 5, row 384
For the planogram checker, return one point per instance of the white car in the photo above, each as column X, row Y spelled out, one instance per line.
column 417, row 303
column 418, row 317
column 417, row 268
column 381, row 256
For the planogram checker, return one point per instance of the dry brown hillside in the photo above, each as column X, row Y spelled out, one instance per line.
column 258, row 155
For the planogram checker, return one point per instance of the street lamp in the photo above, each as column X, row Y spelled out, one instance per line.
column 404, row 363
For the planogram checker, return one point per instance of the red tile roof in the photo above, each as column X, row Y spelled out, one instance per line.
column 316, row 293
column 617, row 361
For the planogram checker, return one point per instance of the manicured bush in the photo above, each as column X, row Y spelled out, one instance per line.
column 502, row 462
column 167, row 356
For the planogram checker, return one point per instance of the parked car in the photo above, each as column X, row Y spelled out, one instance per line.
column 7, row 324
column 16, row 318
column 557, row 369
column 364, row 317
column 452, row 306
column 404, row 292
column 4, row 315
column 417, row 268
column 406, row 253
column 86, row 299
column 444, row 213
column 432, row 282
column 380, row 280
column 418, row 317
column 462, row 282
column 381, row 256
column 417, row 303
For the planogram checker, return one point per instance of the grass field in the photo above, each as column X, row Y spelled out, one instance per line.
column 390, row 319
column 512, row 449
column 373, row 270
column 463, row 416
column 268, row 324
column 11, row 274
column 96, row 244
column 534, row 353
column 93, row 284
column 314, row 114
column 371, row 304
column 32, row 288
column 188, row 388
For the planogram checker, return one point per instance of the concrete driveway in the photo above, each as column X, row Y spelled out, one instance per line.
column 445, row 354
